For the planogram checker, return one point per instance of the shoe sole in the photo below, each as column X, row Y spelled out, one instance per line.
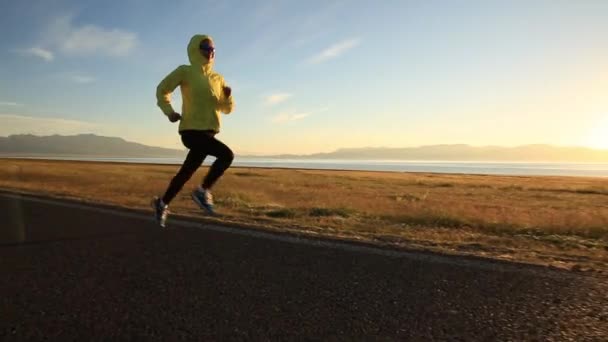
column 203, row 206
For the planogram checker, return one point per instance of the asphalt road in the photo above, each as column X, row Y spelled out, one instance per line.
column 78, row 272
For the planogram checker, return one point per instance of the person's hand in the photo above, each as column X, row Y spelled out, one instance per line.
column 227, row 91
column 174, row 117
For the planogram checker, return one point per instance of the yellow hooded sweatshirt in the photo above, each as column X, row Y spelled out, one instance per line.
column 202, row 91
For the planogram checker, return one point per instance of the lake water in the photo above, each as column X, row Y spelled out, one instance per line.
column 489, row 168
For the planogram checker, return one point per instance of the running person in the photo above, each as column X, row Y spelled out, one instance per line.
column 204, row 95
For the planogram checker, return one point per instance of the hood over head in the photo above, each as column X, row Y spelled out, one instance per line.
column 194, row 54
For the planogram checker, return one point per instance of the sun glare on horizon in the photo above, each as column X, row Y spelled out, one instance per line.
column 598, row 134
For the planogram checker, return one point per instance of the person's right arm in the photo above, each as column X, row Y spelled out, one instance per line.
column 165, row 89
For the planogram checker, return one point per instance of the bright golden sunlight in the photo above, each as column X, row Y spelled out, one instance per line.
column 598, row 134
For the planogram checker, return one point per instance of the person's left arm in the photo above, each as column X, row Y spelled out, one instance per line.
column 226, row 102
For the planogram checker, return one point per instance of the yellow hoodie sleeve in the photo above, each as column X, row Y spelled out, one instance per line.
column 166, row 87
column 226, row 104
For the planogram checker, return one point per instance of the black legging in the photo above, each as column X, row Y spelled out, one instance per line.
column 201, row 144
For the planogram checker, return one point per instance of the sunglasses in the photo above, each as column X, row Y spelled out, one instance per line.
column 207, row 48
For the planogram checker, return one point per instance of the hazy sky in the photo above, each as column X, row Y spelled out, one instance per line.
column 312, row 76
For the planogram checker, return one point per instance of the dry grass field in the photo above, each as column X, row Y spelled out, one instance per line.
column 560, row 221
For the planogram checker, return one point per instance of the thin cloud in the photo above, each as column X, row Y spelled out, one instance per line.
column 89, row 39
column 8, row 103
column 75, row 77
column 290, row 116
column 38, row 52
column 299, row 116
column 277, row 98
column 335, row 50
column 20, row 124
column 80, row 79
column 287, row 117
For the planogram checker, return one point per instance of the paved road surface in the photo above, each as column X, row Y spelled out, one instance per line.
column 76, row 272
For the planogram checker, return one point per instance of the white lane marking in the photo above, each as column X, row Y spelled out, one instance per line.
column 345, row 246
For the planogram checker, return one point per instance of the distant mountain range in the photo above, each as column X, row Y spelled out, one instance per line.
column 461, row 152
column 80, row 145
column 94, row 146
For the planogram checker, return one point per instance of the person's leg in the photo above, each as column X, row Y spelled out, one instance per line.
column 194, row 159
column 224, row 157
column 191, row 164
column 194, row 141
